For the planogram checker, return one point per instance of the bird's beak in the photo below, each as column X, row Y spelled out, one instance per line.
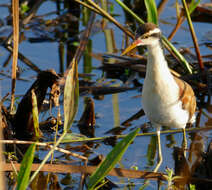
column 132, row 46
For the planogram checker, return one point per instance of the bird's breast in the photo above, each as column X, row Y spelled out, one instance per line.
column 161, row 104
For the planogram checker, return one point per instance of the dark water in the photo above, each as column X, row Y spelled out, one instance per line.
column 114, row 108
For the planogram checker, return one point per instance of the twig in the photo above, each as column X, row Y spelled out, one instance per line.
column 26, row 20
column 14, row 167
column 32, row 12
column 110, row 18
column 46, row 157
column 8, row 44
column 177, row 26
column 82, row 181
column 181, row 18
column 85, row 37
column 103, row 13
column 119, row 172
column 2, row 174
column 15, row 13
column 88, row 6
column 140, row 134
column 46, row 145
column 193, row 36
column 62, row 168
column 161, row 6
column 23, row 58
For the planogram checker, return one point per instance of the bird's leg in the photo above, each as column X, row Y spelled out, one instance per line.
column 160, row 157
column 184, row 144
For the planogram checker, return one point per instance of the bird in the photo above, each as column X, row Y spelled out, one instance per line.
column 166, row 99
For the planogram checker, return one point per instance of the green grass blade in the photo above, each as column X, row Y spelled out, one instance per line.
column 130, row 11
column 152, row 14
column 24, row 173
column 178, row 54
column 110, row 161
column 71, row 95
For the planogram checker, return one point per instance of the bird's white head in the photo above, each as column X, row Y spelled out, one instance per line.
column 146, row 35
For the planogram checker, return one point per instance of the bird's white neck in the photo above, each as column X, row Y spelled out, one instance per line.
column 157, row 67
column 158, row 76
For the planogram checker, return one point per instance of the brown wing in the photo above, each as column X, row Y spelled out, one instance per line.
column 187, row 97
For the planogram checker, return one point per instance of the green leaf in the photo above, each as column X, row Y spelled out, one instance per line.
column 24, row 173
column 110, row 161
column 24, row 7
column 151, row 151
column 35, row 114
column 193, row 5
column 71, row 95
column 152, row 14
column 69, row 137
column 192, row 187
